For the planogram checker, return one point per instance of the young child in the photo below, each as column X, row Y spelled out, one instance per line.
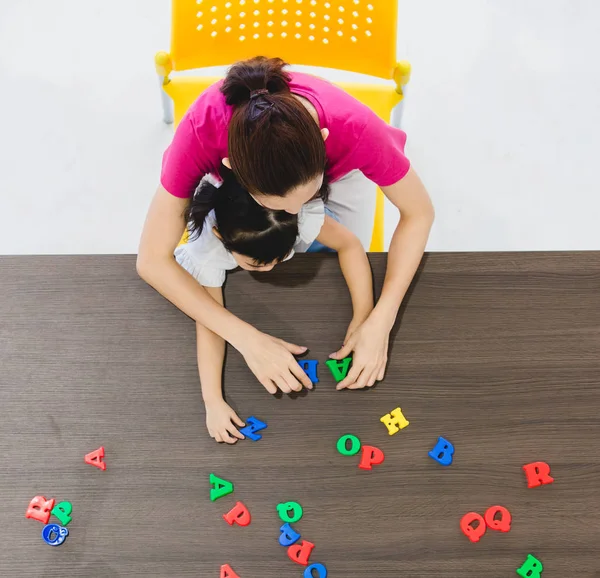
column 229, row 229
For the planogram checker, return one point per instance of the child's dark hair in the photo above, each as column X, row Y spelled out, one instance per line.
column 245, row 227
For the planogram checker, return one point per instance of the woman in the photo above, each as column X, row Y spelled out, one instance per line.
column 280, row 132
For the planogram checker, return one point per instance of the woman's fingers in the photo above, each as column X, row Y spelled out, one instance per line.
column 300, row 375
column 218, row 437
column 292, row 382
column 268, row 385
column 351, row 378
column 234, row 432
column 293, row 348
column 344, row 351
column 282, row 385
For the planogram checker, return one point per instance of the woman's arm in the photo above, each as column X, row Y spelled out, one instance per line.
column 211, row 354
column 270, row 359
column 355, row 268
column 370, row 341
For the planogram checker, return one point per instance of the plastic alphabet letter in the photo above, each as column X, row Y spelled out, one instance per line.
column 288, row 535
column 339, row 369
column 39, row 509
column 474, row 533
column 250, row 430
column 321, row 571
column 62, row 511
column 227, row 572
column 95, row 458
column 239, row 514
column 538, row 474
column 442, row 452
column 310, row 368
column 532, row 568
column 54, row 535
column 371, row 456
column 220, row 488
column 283, row 511
column 354, row 445
column 503, row 524
column 394, row 421
column 300, row 553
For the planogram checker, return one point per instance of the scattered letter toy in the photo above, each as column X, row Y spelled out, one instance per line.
column 39, row 509
column 532, row 568
column 538, row 474
column 310, row 368
column 371, row 456
column 394, row 421
column 339, row 369
column 227, row 572
column 474, row 533
column 95, row 458
column 442, row 452
column 283, row 509
column 239, row 514
column 321, row 571
column 288, row 535
column 255, row 425
column 220, row 488
column 54, row 535
column 503, row 524
column 300, row 553
column 62, row 511
column 354, row 445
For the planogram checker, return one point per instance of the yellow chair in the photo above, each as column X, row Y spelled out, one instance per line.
column 351, row 35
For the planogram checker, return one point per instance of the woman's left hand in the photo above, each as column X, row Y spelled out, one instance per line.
column 369, row 342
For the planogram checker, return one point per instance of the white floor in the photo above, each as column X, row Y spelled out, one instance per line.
column 503, row 118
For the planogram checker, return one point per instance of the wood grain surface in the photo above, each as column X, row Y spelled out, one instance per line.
column 499, row 353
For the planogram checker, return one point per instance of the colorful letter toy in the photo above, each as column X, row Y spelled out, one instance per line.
column 95, row 458
column 288, row 535
column 283, row 511
column 255, row 425
column 54, row 535
column 442, row 452
column 220, row 488
column 310, row 368
column 371, row 456
column 538, row 474
column 227, row 572
column 339, row 369
column 532, row 568
column 502, row 524
column 39, row 509
column 62, row 511
column 342, row 446
column 474, row 533
column 394, row 421
column 239, row 514
column 321, row 571
column 300, row 553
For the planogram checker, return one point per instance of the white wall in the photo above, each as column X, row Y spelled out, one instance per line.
column 502, row 115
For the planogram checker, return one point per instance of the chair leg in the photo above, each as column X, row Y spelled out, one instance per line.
column 398, row 111
column 167, row 103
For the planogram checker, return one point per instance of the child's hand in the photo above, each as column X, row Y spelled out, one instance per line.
column 219, row 418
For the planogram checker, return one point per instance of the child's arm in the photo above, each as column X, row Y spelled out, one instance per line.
column 211, row 353
column 355, row 268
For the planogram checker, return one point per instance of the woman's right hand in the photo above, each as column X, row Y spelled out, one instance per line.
column 273, row 363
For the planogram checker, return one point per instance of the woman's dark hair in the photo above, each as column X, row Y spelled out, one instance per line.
column 245, row 226
column 274, row 143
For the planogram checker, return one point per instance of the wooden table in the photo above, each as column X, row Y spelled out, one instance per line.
column 499, row 353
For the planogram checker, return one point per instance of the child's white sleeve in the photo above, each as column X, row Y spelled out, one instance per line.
column 203, row 273
column 310, row 221
column 205, row 258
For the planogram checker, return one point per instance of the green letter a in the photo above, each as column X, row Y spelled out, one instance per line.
column 339, row 369
column 221, row 488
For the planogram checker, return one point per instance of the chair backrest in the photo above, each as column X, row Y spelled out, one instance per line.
column 352, row 35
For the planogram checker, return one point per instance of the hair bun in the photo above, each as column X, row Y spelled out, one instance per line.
column 250, row 79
